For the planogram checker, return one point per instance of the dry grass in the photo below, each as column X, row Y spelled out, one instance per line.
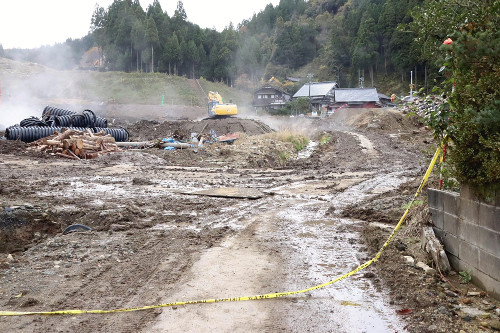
column 298, row 139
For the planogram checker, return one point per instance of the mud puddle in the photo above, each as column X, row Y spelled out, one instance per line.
column 326, row 249
column 284, row 243
column 308, row 150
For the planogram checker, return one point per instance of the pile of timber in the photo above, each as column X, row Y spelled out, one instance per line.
column 76, row 144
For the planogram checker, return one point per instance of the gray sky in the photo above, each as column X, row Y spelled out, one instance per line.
column 33, row 23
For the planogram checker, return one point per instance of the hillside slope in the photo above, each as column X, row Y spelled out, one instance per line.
column 28, row 87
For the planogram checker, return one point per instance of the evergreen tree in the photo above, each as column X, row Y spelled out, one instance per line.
column 153, row 40
column 139, row 41
column 172, row 53
column 193, row 58
column 364, row 52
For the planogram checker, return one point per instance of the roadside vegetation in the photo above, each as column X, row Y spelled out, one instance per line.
column 469, row 119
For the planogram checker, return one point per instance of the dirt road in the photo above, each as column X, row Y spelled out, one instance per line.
column 154, row 240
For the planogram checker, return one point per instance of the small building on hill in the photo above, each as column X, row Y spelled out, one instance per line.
column 322, row 94
column 269, row 98
column 357, row 98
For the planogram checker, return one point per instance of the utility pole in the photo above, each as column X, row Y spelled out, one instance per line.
column 310, row 76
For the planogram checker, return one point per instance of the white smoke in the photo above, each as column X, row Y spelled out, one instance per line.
column 12, row 113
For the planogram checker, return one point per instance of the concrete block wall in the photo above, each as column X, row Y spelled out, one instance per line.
column 470, row 232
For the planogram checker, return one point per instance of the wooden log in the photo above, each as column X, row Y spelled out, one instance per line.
column 53, row 143
column 433, row 246
column 104, row 151
column 79, row 144
column 66, row 134
column 90, row 147
column 90, row 132
column 86, row 141
column 91, row 155
column 66, row 156
column 73, row 154
column 102, row 139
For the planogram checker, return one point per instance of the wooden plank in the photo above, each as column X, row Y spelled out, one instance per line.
column 230, row 192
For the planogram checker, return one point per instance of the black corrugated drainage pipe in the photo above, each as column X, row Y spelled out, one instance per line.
column 30, row 134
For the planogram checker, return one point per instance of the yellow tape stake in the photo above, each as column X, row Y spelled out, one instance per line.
column 256, row 297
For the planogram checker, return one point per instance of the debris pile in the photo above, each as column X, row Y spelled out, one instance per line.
column 77, row 144
column 422, row 106
column 197, row 140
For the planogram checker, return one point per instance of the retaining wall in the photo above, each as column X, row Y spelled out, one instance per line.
column 470, row 232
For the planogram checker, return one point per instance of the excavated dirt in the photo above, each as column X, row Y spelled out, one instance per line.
column 153, row 241
column 149, row 130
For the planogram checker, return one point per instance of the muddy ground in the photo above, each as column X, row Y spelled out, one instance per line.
column 154, row 240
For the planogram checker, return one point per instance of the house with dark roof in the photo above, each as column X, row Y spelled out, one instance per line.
column 356, row 97
column 322, row 94
column 385, row 100
column 269, row 98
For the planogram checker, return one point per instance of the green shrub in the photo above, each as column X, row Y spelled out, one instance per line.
column 470, row 117
column 325, row 138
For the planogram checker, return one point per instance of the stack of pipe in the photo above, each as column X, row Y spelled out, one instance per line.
column 55, row 119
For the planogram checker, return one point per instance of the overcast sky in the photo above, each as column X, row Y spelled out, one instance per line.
column 33, row 23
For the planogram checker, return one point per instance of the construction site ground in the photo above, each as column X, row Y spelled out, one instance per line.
column 279, row 221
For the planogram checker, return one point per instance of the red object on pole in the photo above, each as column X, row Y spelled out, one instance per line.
column 448, row 41
column 441, row 174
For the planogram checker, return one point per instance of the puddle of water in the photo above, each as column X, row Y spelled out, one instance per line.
column 118, row 169
column 308, row 150
column 327, row 248
column 111, row 187
column 164, row 226
column 376, row 185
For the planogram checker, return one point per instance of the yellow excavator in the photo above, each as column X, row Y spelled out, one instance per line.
column 217, row 108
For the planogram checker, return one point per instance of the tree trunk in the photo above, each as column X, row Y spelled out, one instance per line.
column 425, row 78
column 152, row 60
column 371, row 74
column 415, row 77
column 385, row 62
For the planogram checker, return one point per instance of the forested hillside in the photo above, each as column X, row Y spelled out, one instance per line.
column 341, row 40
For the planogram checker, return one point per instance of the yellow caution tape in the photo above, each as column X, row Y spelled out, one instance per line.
column 256, row 297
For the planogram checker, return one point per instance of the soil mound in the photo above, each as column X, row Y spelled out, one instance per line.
column 12, row 146
column 150, row 130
